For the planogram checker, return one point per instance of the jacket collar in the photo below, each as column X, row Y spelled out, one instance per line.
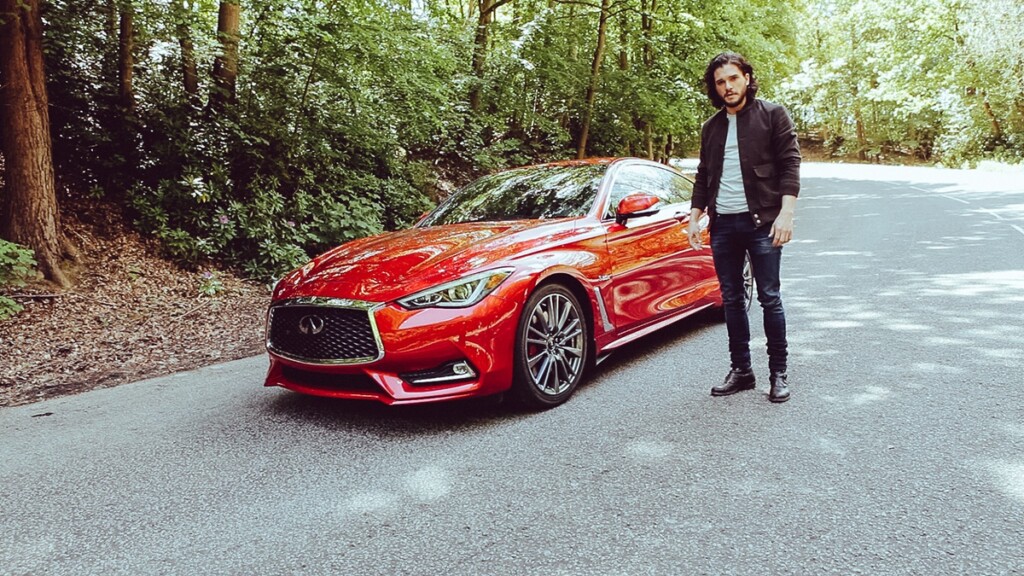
column 722, row 112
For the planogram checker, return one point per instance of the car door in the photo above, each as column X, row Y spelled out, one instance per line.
column 655, row 271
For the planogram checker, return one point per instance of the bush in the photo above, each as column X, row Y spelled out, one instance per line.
column 16, row 265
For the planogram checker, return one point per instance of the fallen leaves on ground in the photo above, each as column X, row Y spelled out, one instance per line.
column 131, row 315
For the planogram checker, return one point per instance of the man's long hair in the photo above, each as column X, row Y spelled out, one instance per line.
column 724, row 59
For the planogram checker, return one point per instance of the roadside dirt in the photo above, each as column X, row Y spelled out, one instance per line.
column 131, row 315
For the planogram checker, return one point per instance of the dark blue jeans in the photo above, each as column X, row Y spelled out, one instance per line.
column 732, row 236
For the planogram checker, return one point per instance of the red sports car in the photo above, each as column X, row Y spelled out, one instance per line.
column 517, row 282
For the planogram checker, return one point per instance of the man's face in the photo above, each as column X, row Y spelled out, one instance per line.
column 731, row 84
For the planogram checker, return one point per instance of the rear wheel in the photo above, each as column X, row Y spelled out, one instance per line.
column 748, row 282
column 718, row 312
column 552, row 343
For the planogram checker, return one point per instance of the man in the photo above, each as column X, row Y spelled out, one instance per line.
column 748, row 180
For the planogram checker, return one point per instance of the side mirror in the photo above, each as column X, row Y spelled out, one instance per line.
column 635, row 205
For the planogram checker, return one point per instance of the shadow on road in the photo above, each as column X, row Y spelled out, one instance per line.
column 469, row 413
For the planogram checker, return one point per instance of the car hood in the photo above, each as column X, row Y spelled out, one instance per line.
column 388, row 266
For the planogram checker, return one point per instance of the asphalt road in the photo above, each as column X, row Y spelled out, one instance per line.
column 901, row 451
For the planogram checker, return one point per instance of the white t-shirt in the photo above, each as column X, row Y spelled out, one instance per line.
column 731, row 199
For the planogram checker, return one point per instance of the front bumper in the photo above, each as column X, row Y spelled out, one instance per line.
column 415, row 341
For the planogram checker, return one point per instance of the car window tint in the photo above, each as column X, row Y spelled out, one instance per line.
column 682, row 188
column 523, row 193
column 661, row 182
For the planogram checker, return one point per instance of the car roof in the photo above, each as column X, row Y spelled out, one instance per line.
column 593, row 161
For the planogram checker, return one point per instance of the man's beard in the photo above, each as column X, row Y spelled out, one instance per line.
column 735, row 99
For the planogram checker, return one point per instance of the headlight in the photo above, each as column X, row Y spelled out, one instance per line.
column 458, row 294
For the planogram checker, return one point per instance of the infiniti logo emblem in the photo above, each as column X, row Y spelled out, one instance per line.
column 311, row 324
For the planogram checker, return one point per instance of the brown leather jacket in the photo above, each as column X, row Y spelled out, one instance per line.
column 769, row 159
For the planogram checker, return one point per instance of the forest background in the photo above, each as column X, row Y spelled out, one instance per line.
column 257, row 133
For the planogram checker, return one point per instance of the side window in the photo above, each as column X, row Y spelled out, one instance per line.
column 663, row 183
column 682, row 189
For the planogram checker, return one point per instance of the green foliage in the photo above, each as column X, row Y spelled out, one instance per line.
column 350, row 115
column 210, row 285
column 8, row 308
column 17, row 264
column 936, row 80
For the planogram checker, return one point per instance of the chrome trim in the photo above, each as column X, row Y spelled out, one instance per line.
column 362, row 305
column 604, row 313
column 452, row 378
column 650, row 328
column 331, row 302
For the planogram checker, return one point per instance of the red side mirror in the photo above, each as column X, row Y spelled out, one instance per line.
column 634, row 205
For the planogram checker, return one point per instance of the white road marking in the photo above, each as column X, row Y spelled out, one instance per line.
column 996, row 214
column 960, row 200
column 985, row 210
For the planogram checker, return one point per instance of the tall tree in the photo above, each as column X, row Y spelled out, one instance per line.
column 126, row 61
column 485, row 15
column 189, row 68
column 29, row 212
column 225, row 66
column 595, row 77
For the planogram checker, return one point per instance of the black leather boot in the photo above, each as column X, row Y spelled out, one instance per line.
column 737, row 380
column 780, row 387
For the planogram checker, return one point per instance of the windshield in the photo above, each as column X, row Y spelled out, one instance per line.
column 523, row 194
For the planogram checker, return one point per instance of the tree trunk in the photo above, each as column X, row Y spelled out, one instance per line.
column 997, row 131
column 225, row 65
column 566, row 120
column 647, row 24
column 647, row 28
column 479, row 59
column 28, row 214
column 624, row 65
column 858, row 118
column 624, row 41
column 126, row 62
column 483, row 22
column 862, row 141
column 189, row 69
column 649, row 140
column 595, row 75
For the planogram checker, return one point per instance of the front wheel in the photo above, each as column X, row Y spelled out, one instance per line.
column 552, row 343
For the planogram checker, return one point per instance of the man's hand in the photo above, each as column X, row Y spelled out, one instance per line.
column 782, row 228
column 693, row 229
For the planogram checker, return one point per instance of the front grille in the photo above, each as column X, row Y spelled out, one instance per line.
column 337, row 382
column 323, row 334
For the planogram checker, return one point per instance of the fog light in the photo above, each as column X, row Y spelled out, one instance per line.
column 462, row 369
column 450, row 372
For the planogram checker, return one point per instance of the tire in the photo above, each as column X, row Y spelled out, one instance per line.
column 748, row 282
column 718, row 312
column 551, row 349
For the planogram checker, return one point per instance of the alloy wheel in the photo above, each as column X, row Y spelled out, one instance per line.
column 748, row 282
column 554, row 346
